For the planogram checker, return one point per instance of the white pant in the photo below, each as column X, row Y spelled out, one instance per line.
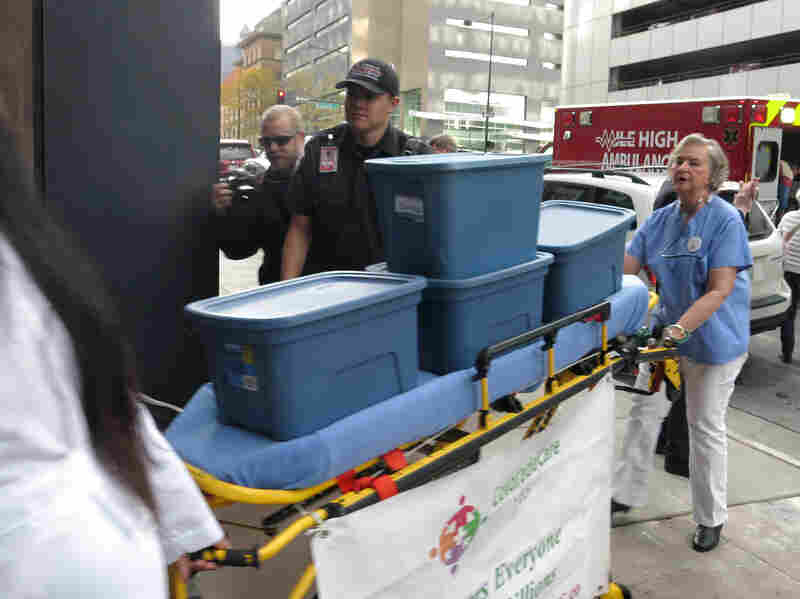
column 641, row 434
column 708, row 390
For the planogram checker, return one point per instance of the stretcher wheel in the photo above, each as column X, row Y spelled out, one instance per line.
column 617, row 591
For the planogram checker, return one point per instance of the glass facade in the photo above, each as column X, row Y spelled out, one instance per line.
column 409, row 100
column 467, row 120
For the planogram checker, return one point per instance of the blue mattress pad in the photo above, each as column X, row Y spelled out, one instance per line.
column 252, row 460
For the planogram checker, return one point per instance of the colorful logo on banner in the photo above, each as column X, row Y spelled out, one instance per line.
column 457, row 534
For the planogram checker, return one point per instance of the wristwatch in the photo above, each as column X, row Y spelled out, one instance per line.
column 676, row 333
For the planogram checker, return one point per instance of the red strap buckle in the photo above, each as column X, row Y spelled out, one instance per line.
column 384, row 486
column 594, row 318
column 395, row 460
column 346, row 481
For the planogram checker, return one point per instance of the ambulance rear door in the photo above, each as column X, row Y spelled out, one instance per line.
column 766, row 164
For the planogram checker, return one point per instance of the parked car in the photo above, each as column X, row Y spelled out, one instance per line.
column 233, row 153
column 626, row 189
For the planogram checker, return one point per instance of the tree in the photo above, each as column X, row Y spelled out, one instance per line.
column 245, row 95
column 318, row 100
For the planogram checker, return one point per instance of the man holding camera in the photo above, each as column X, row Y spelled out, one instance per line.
column 334, row 221
column 247, row 222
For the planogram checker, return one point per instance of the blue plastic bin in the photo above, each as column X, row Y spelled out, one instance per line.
column 292, row 357
column 459, row 317
column 588, row 242
column 455, row 216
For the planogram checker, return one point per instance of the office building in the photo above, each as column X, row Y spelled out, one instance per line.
column 639, row 50
column 441, row 50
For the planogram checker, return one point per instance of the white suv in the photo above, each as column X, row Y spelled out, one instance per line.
column 770, row 293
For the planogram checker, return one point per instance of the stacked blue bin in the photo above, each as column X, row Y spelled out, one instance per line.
column 293, row 357
column 588, row 243
column 470, row 224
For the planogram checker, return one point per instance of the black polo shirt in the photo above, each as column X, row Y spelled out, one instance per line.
column 340, row 203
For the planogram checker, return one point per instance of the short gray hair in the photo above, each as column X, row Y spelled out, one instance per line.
column 282, row 110
column 445, row 142
column 719, row 169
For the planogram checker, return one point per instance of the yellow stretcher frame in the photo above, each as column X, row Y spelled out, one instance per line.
column 559, row 386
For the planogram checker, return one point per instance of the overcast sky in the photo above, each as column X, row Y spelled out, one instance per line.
column 235, row 14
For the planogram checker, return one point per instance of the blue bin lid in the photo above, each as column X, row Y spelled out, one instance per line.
column 457, row 161
column 541, row 261
column 305, row 299
column 567, row 226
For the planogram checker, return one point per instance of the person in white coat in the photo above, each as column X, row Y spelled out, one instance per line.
column 93, row 500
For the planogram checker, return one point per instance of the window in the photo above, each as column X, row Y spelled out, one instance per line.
column 554, row 190
column 468, row 102
column 758, row 223
column 297, row 45
column 410, row 100
column 298, row 70
column 520, row 62
column 331, row 25
column 767, row 161
column 610, row 197
column 335, row 52
column 296, row 22
column 488, row 27
column 514, row 2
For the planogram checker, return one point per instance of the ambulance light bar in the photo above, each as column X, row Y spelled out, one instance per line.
column 759, row 113
column 732, row 114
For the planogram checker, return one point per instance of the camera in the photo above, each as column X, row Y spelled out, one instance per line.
column 242, row 183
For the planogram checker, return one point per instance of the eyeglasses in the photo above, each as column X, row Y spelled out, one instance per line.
column 280, row 140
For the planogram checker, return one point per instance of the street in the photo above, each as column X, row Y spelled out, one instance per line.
column 650, row 547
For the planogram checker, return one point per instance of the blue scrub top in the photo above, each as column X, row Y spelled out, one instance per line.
column 681, row 256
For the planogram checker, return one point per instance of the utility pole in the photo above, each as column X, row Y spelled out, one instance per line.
column 468, row 23
column 489, row 86
column 239, row 106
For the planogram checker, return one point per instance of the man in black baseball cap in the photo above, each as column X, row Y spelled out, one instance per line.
column 334, row 218
column 375, row 75
column 372, row 95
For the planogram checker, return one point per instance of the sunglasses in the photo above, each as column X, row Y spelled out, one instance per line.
column 356, row 92
column 280, row 140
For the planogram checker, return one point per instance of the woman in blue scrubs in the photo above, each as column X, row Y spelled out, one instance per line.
column 698, row 249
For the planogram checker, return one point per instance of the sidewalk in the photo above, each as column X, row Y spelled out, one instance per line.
column 759, row 554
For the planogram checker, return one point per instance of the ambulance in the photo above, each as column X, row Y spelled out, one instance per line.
column 756, row 134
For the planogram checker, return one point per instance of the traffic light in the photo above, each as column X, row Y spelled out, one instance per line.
column 281, row 96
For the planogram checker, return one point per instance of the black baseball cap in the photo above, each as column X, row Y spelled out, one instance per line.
column 374, row 75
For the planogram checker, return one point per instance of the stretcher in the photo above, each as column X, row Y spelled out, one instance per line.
column 362, row 458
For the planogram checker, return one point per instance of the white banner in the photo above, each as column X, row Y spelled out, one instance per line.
column 530, row 520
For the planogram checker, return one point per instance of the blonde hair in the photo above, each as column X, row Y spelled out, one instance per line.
column 280, row 110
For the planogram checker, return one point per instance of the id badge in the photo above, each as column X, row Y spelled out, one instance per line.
column 328, row 159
